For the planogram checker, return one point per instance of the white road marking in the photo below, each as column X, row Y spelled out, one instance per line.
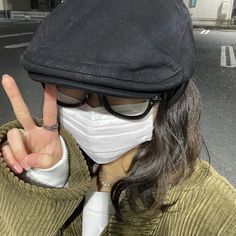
column 223, row 62
column 28, row 22
column 205, row 32
column 15, row 35
column 19, row 45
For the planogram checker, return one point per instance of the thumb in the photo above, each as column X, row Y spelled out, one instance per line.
column 42, row 161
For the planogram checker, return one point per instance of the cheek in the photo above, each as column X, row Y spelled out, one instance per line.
column 74, row 93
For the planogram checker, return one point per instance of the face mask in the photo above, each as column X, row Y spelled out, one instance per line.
column 104, row 137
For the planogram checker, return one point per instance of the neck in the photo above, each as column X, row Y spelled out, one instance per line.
column 117, row 169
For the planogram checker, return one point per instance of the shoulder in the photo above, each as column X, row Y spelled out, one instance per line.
column 212, row 183
column 206, row 203
column 206, row 183
column 215, row 192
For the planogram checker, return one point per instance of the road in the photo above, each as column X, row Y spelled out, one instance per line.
column 217, row 85
column 215, row 76
column 31, row 91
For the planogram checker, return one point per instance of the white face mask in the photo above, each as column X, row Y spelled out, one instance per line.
column 104, row 137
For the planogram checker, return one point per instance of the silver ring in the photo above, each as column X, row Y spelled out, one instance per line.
column 51, row 128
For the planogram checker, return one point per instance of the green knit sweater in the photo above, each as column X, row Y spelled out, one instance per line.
column 207, row 204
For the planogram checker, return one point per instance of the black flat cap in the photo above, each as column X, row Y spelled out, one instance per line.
column 129, row 48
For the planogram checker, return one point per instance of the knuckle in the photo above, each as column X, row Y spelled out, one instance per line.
column 15, row 144
column 11, row 132
column 14, row 136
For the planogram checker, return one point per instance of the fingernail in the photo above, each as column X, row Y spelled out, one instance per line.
column 5, row 81
column 4, row 75
column 17, row 169
column 25, row 165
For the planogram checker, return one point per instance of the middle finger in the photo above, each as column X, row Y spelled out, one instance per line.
column 50, row 105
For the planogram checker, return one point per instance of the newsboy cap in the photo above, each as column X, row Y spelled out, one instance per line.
column 128, row 48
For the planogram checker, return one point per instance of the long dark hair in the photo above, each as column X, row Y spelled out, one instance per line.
column 174, row 148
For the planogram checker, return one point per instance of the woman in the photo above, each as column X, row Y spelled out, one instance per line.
column 126, row 157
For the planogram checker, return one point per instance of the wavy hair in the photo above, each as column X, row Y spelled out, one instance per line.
column 173, row 150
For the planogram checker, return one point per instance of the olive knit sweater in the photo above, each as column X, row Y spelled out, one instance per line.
column 207, row 204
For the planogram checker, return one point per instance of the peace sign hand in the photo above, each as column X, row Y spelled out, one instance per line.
column 35, row 146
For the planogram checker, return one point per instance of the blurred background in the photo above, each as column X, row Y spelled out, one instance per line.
column 214, row 23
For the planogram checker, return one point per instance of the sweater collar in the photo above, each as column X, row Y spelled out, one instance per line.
column 146, row 223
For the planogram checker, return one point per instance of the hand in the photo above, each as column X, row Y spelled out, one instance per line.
column 34, row 146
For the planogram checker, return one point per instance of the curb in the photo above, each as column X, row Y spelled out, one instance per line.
column 224, row 28
column 6, row 20
column 2, row 20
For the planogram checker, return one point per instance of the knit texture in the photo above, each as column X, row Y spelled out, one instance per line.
column 29, row 210
column 206, row 203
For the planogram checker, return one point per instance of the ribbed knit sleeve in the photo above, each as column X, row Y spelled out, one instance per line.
column 30, row 210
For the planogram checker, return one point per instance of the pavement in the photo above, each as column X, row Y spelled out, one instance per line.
column 215, row 77
column 5, row 20
column 219, row 28
column 214, row 27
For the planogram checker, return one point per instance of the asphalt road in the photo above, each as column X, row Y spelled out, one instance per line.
column 215, row 76
column 217, row 85
column 9, row 64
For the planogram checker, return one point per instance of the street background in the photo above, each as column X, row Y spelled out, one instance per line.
column 215, row 76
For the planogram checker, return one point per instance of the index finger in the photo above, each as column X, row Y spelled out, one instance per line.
column 20, row 109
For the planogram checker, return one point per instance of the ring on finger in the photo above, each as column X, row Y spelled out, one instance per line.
column 51, row 128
